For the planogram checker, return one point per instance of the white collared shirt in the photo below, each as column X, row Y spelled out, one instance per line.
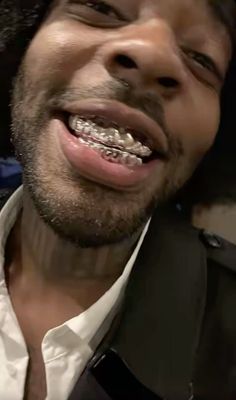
column 66, row 349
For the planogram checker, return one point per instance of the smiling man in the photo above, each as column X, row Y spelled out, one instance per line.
column 106, row 291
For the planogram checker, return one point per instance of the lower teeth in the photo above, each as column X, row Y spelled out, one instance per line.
column 113, row 155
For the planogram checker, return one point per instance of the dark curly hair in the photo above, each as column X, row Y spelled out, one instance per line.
column 19, row 19
column 214, row 180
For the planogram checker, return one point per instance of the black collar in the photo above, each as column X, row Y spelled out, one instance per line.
column 164, row 307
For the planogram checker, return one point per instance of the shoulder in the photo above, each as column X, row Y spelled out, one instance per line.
column 220, row 252
column 174, row 227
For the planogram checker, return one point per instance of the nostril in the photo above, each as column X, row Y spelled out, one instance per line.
column 125, row 61
column 168, row 82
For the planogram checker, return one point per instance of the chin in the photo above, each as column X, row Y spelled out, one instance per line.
column 87, row 214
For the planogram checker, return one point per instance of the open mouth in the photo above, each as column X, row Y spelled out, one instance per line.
column 114, row 143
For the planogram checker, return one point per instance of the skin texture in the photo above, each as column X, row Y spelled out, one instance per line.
column 76, row 59
column 78, row 222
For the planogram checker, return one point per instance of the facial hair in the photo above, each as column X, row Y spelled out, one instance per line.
column 82, row 212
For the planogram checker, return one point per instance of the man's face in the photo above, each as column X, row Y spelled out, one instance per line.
column 115, row 105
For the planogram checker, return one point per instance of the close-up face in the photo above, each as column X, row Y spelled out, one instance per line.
column 115, row 104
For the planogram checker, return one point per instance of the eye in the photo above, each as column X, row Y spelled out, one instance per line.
column 204, row 61
column 99, row 8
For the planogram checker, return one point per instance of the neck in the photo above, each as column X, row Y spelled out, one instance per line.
column 58, row 261
column 217, row 218
column 45, row 264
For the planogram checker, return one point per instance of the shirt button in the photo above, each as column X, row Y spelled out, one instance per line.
column 211, row 240
column 12, row 371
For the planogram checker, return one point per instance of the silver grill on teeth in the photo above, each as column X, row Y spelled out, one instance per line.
column 115, row 156
column 118, row 138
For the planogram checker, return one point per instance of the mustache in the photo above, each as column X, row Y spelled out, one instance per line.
column 148, row 103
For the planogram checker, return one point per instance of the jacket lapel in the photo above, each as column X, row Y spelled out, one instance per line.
column 164, row 306
column 156, row 341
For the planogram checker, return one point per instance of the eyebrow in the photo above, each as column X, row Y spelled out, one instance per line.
column 225, row 12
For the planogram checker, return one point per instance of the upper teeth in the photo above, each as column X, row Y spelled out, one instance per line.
column 118, row 138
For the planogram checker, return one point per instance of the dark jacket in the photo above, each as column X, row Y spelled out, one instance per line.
column 175, row 337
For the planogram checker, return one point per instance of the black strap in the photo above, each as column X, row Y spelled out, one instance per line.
column 219, row 250
column 5, row 194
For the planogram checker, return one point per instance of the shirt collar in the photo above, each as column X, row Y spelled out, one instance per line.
column 8, row 216
column 89, row 321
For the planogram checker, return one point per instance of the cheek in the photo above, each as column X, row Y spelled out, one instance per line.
column 195, row 123
column 58, row 50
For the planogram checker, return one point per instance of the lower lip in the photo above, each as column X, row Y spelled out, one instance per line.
column 90, row 164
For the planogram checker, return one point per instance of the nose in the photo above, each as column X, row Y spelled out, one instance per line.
column 146, row 56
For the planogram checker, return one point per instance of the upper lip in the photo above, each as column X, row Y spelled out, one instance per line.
column 125, row 117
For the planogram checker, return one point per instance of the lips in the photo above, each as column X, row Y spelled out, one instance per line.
column 96, row 156
column 132, row 121
column 114, row 143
